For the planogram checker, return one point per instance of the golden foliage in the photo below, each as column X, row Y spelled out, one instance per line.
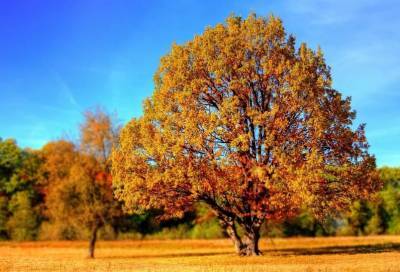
column 243, row 120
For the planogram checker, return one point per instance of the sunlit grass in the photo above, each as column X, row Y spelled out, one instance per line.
column 377, row 253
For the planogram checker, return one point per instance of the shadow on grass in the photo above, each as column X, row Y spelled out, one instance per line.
column 355, row 249
column 171, row 255
column 328, row 250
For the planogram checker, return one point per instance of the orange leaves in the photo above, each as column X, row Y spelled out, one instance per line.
column 99, row 134
column 244, row 121
column 78, row 179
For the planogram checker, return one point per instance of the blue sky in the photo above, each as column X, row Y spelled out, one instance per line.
column 57, row 58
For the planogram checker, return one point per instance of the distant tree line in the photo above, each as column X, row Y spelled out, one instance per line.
column 64, row 191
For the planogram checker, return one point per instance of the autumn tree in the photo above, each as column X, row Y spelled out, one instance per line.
column 99, row 135
column 79, row 184
column 87, row 198
column 246, row 122
column 58, row 157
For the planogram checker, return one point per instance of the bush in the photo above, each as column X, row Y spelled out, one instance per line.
column 210, row 229
column 24, row 221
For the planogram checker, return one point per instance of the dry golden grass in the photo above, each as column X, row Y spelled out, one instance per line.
column 375, row 254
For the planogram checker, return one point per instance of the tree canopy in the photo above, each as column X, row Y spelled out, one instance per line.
column 246, row 122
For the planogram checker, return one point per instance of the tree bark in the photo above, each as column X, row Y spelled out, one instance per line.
column 248, row 246
column 251, row 240
column 251, row 236
column 92, row 242
column 228, row 224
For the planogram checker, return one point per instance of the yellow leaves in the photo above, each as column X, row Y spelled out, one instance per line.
column 238, row 115
column 241, row 142
column 261, row 173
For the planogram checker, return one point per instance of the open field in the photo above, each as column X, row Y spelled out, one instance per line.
column 376, row 253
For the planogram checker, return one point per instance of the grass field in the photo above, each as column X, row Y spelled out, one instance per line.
column 376, row 253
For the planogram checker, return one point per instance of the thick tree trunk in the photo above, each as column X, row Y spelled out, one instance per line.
column 237, row 242
column 228, row 224
column 251, row 240
column 251, row 236
column 248, row 246
column 92, row 242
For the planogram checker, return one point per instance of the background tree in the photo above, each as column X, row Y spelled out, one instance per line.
column 99, row 135
column 357, row 218
column 19, row 199
column 389, row 212
column 247, row 123
column 78, row 181
column 86, row 198
column 58, row 157
column 382, row 214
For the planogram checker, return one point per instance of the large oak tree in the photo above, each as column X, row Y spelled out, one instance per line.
column 247, row 122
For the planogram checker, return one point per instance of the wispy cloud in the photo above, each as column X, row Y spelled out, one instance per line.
column 65, row 90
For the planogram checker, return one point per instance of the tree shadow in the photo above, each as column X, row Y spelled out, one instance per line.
column 169, row 255
column 326, row 250
column 355, row 249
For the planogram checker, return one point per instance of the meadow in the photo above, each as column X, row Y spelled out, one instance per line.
column 373, row 253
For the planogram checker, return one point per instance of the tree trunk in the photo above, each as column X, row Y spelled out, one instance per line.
column 237, row 242
column 92, row 242
column 251, row 227
column 251, row 237
column 228, row 224
column 248, row 246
